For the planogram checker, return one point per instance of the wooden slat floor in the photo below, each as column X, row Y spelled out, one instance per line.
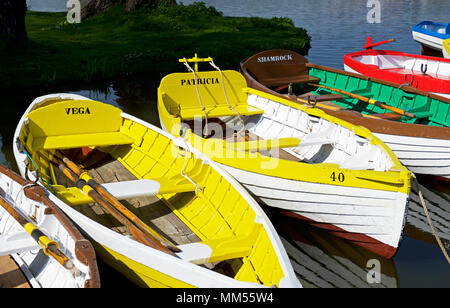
column 10, row 274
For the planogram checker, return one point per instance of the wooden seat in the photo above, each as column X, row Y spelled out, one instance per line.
column 145, row 187
column 267, row 144
column 321, row 98
column 75, row 124
column 278, row 81
column 182, row 96
column 80, row 140
column 128, row 189
column 220, row 249
column 219, row 111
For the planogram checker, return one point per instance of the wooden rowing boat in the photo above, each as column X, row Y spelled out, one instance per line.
column 428, row 74
column 209, row 232
column 431, row 34
column 446, row 48
column 317, row 167
column 422, row 142
column 44, row 220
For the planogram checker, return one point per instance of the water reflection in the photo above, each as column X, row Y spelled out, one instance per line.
column 437, row 202
column 322, row 260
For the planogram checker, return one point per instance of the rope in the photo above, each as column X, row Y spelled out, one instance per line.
column 422, row 200
column 225, row 93
column 206, row 131
column 38, row 177
column 22, row 189
column 186, row 151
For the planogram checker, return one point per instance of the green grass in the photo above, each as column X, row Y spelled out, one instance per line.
column 116, row 43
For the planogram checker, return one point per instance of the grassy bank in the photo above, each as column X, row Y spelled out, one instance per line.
column 116, row 43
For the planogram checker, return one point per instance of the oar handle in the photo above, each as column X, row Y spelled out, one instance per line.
column 367, row 100
column 116, row 204
column 136, row 232
column 391, row 108
column 50, row 247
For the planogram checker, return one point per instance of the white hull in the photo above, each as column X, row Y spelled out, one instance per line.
column 40, row 270
column 428, row 40
column 353, row 210
column 421, row 155
column 171, row 266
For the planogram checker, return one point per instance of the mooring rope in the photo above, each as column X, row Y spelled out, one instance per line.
column 211, row 62
column 205, row 131
column 422, row 200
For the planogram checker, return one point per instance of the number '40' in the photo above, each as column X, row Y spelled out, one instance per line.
column 339, row 177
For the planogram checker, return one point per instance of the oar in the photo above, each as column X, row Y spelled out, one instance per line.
column 50, row 248
column 116, row 203
column 137, row 233
column 367, row 100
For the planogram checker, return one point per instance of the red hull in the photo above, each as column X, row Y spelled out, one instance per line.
column 427, row 81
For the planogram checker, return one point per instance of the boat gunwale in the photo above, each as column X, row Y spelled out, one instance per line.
column 420, row 29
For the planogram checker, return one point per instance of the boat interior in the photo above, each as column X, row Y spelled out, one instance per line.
column 184, row 200
column 250, row 122
column 427, row 110
column 436, row 27
column 408, row 65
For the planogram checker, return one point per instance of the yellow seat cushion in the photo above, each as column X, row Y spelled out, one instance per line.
column 180, row 96
column 80, row 140
column 74, row 124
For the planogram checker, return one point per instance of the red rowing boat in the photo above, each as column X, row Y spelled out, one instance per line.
column 425, row 73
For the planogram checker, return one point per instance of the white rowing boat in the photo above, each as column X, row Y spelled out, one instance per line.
column 38, row 267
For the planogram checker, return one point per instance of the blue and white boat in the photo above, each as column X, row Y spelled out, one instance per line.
column 431, row 34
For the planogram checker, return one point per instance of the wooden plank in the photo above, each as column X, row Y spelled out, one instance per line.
column 150, row 209
column 10, row 274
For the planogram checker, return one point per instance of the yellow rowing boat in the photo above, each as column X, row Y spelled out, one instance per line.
column 220, row 235
column 292, row 157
